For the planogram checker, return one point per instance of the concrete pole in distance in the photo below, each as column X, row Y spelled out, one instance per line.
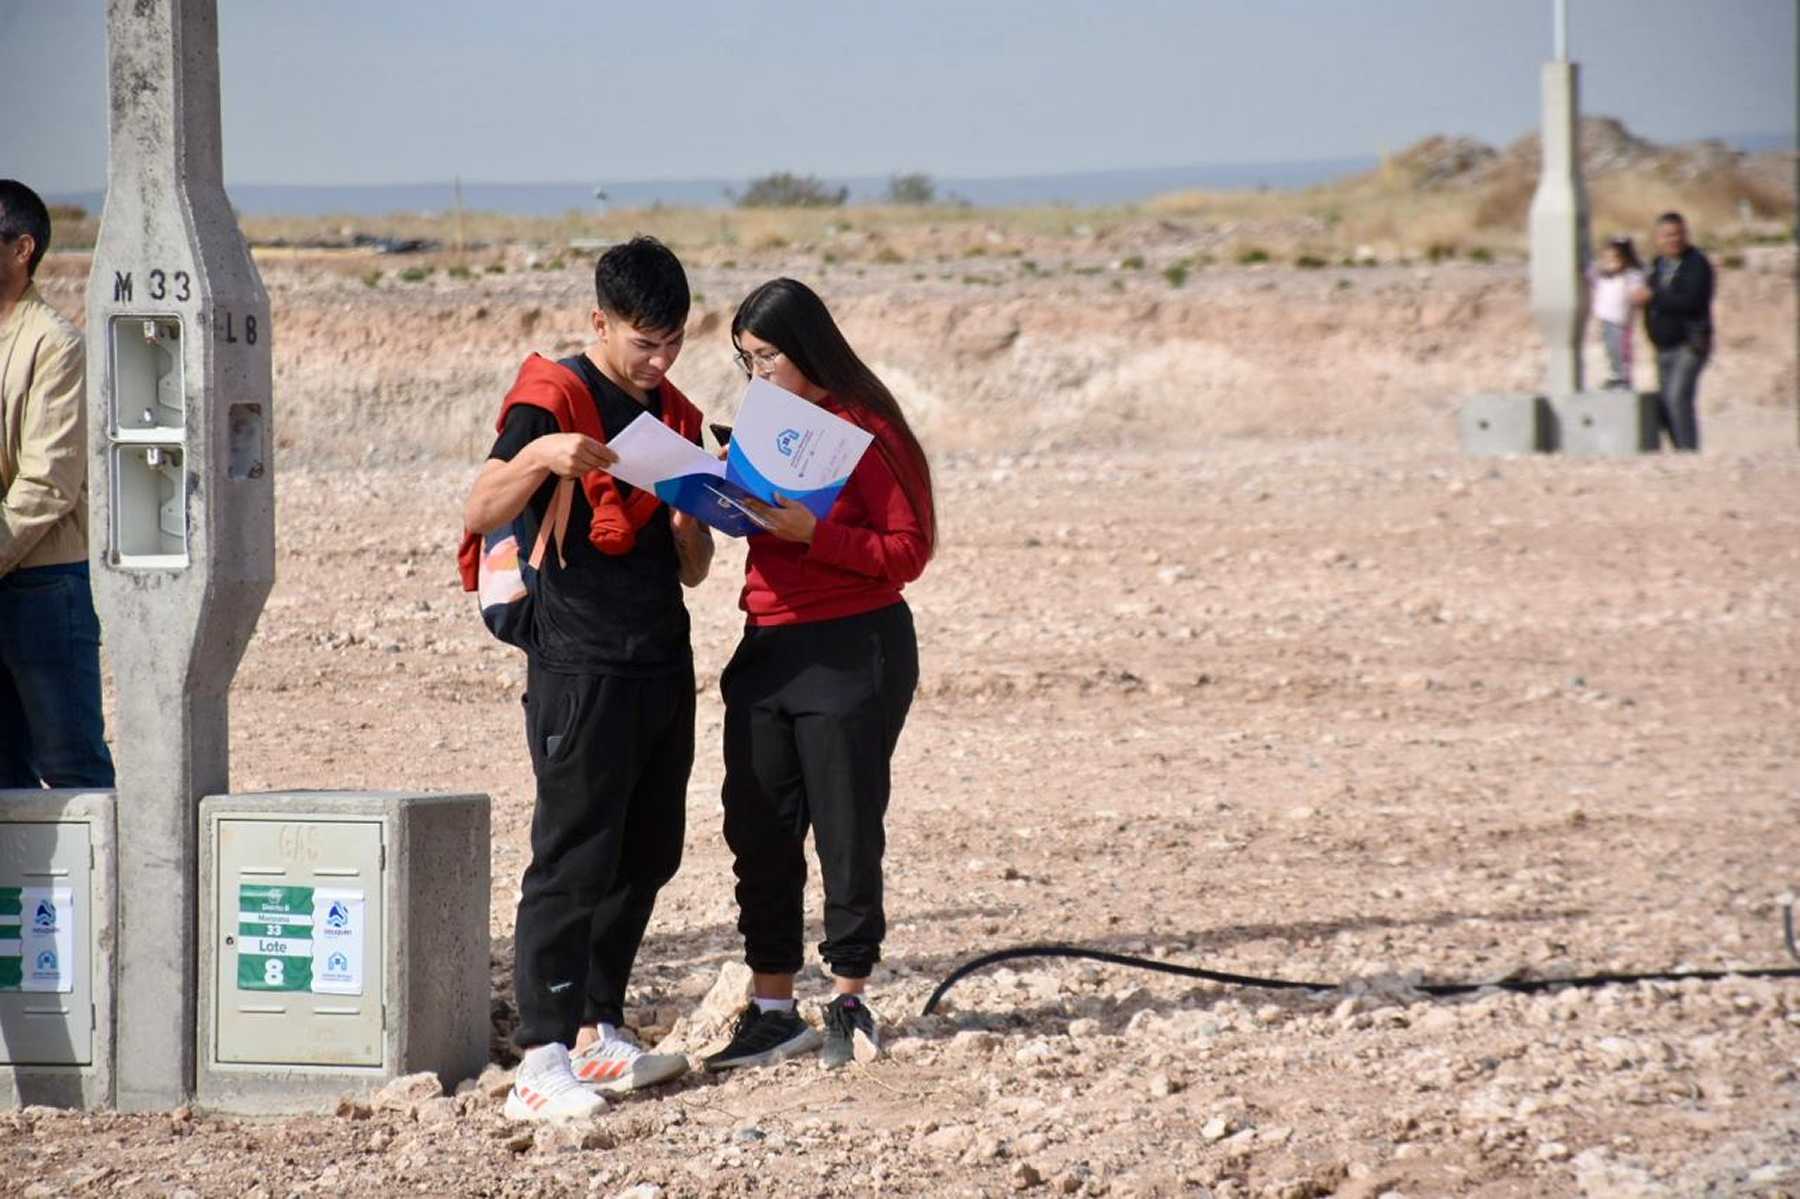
column 183, row 547
column 1559, row 224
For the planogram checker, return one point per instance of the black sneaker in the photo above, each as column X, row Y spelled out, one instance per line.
column 764, row 1038
column 850, row 1032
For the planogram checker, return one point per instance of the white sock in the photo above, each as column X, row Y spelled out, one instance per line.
column 542, row 1060
column 607, row 1031
column 773, row 1005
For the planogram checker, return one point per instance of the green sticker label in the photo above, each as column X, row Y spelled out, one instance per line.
column 275, row 930
column 12, row 950
column 37, row 939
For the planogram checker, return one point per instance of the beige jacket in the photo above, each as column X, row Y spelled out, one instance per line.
column 43, row 437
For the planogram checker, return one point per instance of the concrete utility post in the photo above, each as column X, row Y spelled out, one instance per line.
column 183, row 548
column 1559, row 221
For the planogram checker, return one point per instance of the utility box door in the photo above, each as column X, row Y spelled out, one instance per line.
column 46, row 992
column 298, row 940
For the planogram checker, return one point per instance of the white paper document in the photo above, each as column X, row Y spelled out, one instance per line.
column 781, row 445
column 650, row 453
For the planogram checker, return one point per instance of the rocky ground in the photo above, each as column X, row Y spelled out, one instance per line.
column 1267, row 678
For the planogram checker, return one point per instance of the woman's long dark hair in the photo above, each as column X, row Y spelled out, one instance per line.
column 791, row 317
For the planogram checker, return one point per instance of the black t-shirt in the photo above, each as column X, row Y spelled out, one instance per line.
column 601, row 613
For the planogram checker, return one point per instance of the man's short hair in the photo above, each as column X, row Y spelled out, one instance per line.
column 641, row 282
column 1670, row 218
column 22, row 211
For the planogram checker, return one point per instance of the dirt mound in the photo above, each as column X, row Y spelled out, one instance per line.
column 1117, row 357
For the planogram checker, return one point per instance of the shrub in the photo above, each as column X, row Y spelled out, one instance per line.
column 371, row 279
column 1309, row 262
column 786, row 190
column 1732, row 262
column 1252, row 256
column 915, row 187
column 415, row 274
column 888, row 256
column 459, row 271
column 1132, row 262
column 1481, row 254
column 1439, row 251
column 1176, row 273
column 496, row 268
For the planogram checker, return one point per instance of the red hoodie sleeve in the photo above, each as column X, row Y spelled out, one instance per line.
column 891, row 546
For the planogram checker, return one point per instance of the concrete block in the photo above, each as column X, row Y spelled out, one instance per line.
column 1496, row 423
column 1605, row 423
column 56, row 1046
column 419, row 994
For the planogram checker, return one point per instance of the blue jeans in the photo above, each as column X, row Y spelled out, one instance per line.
column 51, row 731
column 1677, row 379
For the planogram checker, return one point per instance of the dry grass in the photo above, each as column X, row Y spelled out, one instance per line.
column 1388, row 211
column 1410, row 208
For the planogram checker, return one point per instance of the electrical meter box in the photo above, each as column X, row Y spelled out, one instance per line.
column 57, row 889
column 146, row 429
column 343, row 942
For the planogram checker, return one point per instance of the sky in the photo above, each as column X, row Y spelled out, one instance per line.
column 351, row 92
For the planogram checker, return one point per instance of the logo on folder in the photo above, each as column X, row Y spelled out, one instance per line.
column 338, row 916
column 337, row 963
column 46, row 915
column 786, row 441
column 46, row 962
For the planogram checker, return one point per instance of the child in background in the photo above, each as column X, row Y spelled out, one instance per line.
column 1614, row 279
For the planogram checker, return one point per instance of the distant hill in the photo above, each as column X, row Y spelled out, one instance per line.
column 1457, row 193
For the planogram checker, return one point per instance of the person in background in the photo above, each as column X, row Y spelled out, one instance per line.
column 1615, row 280
column 1677, row 296
column 818, row 690
column 52, row 731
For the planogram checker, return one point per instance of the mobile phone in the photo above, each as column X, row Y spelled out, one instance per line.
column 721, row 433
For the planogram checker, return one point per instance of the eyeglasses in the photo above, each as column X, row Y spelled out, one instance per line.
column 763, row 359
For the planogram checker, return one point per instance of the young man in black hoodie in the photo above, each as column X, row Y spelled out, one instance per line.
column 1677, row 297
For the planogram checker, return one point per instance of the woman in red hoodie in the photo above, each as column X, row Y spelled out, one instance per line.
column 818, row 690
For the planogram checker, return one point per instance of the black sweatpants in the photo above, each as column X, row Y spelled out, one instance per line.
column 612, row 756
column 812, row 714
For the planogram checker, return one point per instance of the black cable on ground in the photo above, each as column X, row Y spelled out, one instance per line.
column 1288, row 984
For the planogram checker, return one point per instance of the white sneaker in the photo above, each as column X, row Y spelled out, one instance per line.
column 616, row 1065
column 545, row 1088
